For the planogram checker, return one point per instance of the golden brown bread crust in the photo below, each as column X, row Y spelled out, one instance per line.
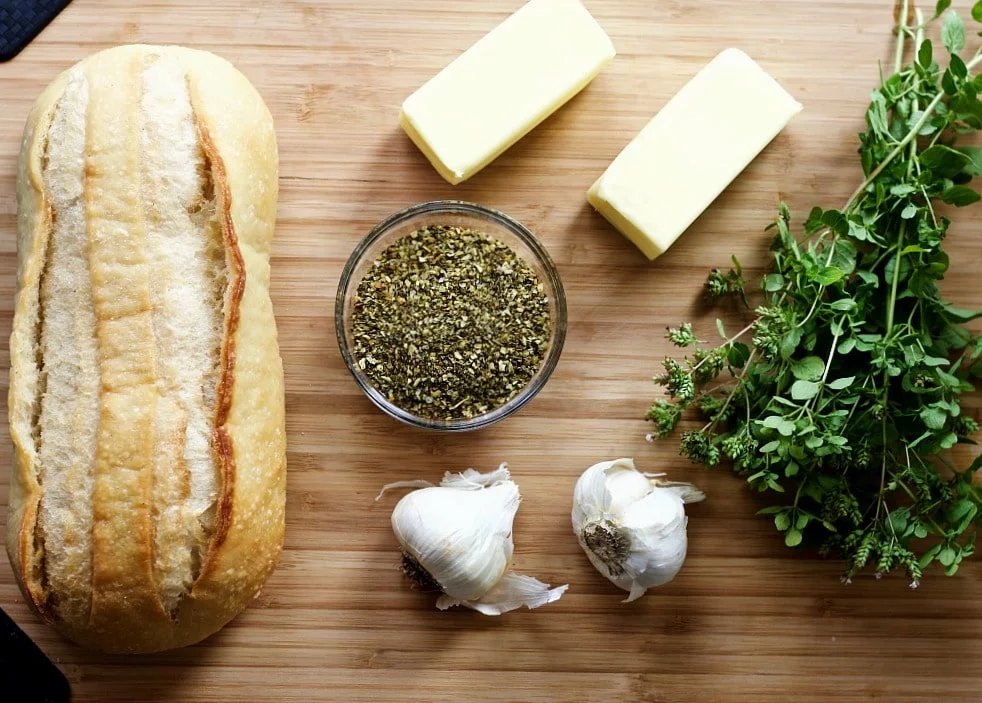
column 248, row 444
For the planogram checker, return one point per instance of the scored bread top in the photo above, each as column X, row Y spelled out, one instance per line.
column 146, row 389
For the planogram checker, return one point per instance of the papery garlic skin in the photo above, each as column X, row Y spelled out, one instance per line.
column 460, row 534
column 510, row 593
column 631, row 525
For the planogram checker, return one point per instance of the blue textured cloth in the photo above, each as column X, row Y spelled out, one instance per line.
column 22, row 20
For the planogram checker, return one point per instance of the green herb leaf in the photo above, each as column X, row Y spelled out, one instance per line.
column 934, row 418
column 784, row 427
column 960, row 196
column 773, row 282
column 782, row 521
column 793, row 537
column 898, row 520
column 835, row 221
column 841, row 383
column 830, row 275
column 804, row 390
column 929, row 556
column 953, row 33
column 958, row 68
column 974, row 154
column 940, row 7
column 948, row 82
column 738, row 355
column 976, row 10
column 869, row 277
column 924, row 57
column 945, row 161
column 808, row 369
column 960, row 314
column 962, row 513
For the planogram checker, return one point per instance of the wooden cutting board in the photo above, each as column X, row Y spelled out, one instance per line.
column 747, row 619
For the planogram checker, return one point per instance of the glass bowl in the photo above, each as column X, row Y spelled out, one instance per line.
column 463, row 214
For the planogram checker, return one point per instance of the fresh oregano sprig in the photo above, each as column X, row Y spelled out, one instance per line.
column 848, row 399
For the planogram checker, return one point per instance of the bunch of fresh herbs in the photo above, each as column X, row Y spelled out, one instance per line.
column 847, row 400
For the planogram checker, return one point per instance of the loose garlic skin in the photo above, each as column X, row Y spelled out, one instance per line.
column 631, row 525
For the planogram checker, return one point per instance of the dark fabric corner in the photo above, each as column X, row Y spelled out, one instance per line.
column 22, row 20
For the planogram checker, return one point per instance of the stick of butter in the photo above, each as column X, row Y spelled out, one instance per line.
column 691, row 151
column 497, row 91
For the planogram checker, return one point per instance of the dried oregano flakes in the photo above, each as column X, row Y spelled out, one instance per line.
column 450, row 323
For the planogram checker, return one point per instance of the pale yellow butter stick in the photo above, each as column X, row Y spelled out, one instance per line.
column 692, row 150
column 504, row 85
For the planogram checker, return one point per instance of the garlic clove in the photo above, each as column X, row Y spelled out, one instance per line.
column 625, row 485
column 510, row 593
column 632, row 526
column 655, row 516
column 461, row 538
column 656, row 525
column 457, row 538
column 607, row 488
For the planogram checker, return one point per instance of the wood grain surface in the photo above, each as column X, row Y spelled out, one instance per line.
column 747, row 619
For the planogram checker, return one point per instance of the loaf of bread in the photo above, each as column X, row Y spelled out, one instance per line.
column 146, row 388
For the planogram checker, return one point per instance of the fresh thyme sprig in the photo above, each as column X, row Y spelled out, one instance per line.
column 849, row 397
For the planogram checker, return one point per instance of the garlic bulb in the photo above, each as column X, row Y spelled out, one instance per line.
column 632, row 525
column 457, row 538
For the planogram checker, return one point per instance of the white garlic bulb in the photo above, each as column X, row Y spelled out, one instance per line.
column 632, row 525
column 457, row 538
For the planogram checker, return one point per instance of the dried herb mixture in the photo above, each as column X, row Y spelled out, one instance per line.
column 450, row 323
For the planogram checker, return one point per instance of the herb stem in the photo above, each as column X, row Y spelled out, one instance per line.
column 828, row 361
column 918, row 28
column 825, row 374
column 930, row 206
column 736, row 386
column 898, row 56
column 811, row 311
column 821, row 287
column 891, row 307
column 797, row 495
column 852, row 410
column 897, row 150
column 725, row 344
column 879, row 260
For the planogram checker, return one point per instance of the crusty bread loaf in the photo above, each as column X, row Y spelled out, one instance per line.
column 146, row 388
